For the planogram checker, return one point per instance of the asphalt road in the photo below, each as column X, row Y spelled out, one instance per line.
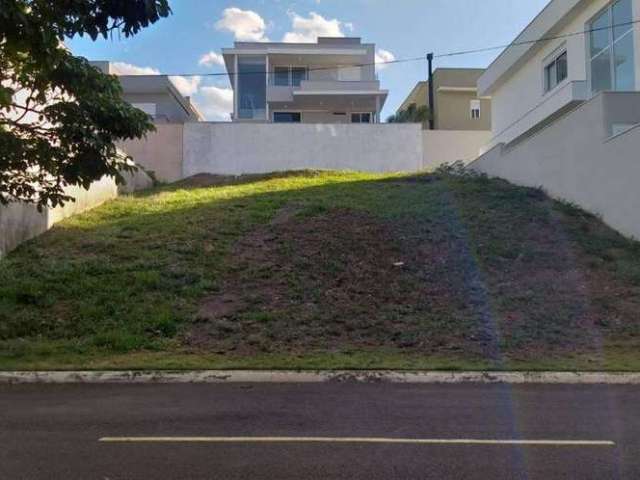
column 54, row 432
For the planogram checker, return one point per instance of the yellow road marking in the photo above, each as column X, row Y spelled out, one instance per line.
column 406, row 441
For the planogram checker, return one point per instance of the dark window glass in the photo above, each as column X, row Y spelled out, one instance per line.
column 298, row 74
column 287, row 117
column 562, row 67
column 281, row 76
column 360, row 118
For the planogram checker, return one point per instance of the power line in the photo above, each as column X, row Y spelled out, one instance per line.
column 413, row 59
column 539, row 40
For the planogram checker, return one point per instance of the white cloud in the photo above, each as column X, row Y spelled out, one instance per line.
column 187, row 86
column 307, row 30
column 121, row 68
column 210, row 59
column 383, row 56
column 246, row 25
column 215, row 103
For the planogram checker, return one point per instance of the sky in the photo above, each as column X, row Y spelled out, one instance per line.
column 190, row 41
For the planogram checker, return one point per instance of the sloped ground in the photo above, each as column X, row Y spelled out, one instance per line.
column 328, row 270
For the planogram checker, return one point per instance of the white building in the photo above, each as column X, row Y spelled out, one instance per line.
column 532, row 82
column 566, row 108
column 331, row 81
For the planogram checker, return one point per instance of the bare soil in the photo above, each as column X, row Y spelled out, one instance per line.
column 342, row 279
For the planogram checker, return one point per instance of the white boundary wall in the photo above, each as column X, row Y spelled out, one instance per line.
column 241, row 148
column 449, row 146
column 577, row 159
column 236, row 148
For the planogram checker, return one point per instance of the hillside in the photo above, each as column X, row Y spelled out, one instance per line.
column 325, row 270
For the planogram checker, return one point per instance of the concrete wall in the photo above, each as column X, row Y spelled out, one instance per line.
column 259, row 148
column 518, row 100
column 577, row 159
column 449, row 146
column 20, row 221
column 160, row 152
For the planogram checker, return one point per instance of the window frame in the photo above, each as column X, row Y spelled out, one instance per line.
column 612, row 42
column 273, row 116
column 290, row 69
column 360, row 114
column 275, row 75
column 475, row 105
column 551, row 61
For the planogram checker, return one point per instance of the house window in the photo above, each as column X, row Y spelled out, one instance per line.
column 148, row 108
column 475, row 110
column 287, row 117
column 360, row 118
column 289, row 76
column 281, row 76
column 252, row 88
column 556, row 72
column 298, row 74
column 611, row 49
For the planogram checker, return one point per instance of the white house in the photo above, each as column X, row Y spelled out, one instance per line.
column 532, row 82
column 566, row 108
column 331, row 81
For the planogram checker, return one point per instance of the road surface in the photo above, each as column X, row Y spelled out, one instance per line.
column 318, row 431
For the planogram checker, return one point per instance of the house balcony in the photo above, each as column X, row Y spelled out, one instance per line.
column 553, row 105
column 307, row 88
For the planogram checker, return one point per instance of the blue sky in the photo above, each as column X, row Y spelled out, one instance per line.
column 401, row 28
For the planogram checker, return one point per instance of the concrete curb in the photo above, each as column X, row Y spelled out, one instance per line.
column 247, row 376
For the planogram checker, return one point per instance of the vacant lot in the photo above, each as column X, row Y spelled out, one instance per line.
column 325, row 270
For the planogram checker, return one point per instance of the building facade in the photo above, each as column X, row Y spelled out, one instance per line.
column 573, row 50
column 331, row 81
column 155, row 95
column 457, row 103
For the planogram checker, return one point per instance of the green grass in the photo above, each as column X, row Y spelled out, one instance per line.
column 300, row 270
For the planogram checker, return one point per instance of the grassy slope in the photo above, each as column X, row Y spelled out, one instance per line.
column 530, row 283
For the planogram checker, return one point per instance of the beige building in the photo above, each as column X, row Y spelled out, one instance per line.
column 457, row 104
column 331, row 81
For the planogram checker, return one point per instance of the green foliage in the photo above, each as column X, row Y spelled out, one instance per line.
column 412, row 114
column 59, row 116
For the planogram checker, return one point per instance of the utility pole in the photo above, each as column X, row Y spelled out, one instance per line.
column 432, row 107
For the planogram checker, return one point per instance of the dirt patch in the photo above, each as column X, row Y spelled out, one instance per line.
column 333, row 281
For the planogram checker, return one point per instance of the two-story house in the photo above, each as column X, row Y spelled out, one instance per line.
column 457, row 105
column 573, row 50
column 566, row 108
column 331, row 81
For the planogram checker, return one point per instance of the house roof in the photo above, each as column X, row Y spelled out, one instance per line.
column 158, row 84
column 552, row 18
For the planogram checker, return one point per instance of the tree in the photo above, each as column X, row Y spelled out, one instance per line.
column 412, row 114
column 59, row 116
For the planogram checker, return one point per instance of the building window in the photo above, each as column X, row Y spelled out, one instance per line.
column 360, row 118
column 148, row 108
column 281, row 76
column 289, row 76
column 611, row 49
column 252, row 88
column 298, row 74
column 475, row 110
column 287, row 117
column 556, row 72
